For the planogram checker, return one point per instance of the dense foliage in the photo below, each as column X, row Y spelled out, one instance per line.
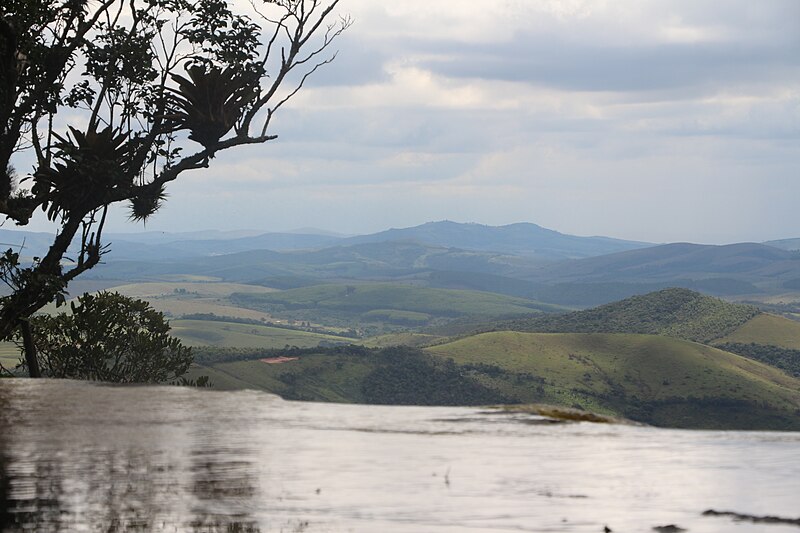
column 407, row 376
column 786, row 359
column 395, row 375
column 673, row 312
column 110, row 337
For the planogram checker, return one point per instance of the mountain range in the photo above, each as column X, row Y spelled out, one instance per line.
column 523, row 239
column 521, row 260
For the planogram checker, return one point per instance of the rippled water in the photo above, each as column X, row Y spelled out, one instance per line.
column 81, row 457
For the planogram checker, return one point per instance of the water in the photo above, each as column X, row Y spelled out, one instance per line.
column 82, row 457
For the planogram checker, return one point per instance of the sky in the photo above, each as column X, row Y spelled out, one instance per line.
column 653, row 120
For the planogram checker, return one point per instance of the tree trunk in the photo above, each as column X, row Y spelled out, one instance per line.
column 30, row 349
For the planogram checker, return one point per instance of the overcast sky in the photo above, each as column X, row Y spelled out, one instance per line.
column 671, row 120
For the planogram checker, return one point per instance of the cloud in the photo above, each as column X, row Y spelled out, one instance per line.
column 642, row 119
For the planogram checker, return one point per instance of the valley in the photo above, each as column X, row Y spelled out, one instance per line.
column 442, row 316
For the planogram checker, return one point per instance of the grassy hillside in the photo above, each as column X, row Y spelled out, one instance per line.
column 235, row 335
column 766, row 329
column 194, row 289
column 375, row 296
column 653, row 379
column 401, row 339
column 377, row 308
column 660, row 380
column 396, row 375
column 176, row 298
column 673, row 312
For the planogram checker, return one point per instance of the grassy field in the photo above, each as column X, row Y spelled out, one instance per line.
column 189, row 278
column 186, row 298
column 315, row 377
column 596, row 368
column 400, row 339
column 411, row 318
column 233, row 335
column 391, row 303
column 768, row 330
column 196, row 289
column 181, row 298
column 220, row 380
column 653, row 379
column 180, row 307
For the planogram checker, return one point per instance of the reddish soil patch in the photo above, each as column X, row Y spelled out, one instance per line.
column 278, row 360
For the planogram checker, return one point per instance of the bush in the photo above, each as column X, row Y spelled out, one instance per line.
column 110, row 337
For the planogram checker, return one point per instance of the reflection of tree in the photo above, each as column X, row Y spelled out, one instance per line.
column 5, row 482
column 30, row 498
column 112, row 484
column 127, row 490
column 224, row 488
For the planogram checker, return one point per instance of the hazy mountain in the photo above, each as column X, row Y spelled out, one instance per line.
column 26, row 243
column 163, row 237
column 518, row 239
column 746, row 261
column 516, row 260
column 196, row 247
column 522, row 239
column 785, row 244
column 382, row 260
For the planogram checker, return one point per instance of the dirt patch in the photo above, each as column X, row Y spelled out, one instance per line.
column 278, row 360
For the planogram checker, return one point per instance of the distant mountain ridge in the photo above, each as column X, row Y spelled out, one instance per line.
column 522, row 238
column 522, row 259
column 670, row 261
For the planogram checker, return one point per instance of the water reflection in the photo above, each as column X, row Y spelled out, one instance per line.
column 61, row 469
column 81, row 457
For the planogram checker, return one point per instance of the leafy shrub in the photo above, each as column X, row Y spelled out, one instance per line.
column 786, row 359
column 110, row 337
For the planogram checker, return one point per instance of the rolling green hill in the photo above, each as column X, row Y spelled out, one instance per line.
column 349, row 374
column 680, row 313
column 655, row 379
column 766, row 329
column 406, row 338
column 672, row 312
column 640, row 358
column 236, row 335
column 395, row 304
column 771, row 339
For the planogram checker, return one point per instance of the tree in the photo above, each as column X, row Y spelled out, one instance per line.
column 159, row 86
column 109, row 337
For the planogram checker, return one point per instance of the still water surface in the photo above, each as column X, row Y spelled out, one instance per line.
column 82, row 457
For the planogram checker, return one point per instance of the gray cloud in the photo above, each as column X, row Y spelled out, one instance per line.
column 647, row 119
column 600, row 67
